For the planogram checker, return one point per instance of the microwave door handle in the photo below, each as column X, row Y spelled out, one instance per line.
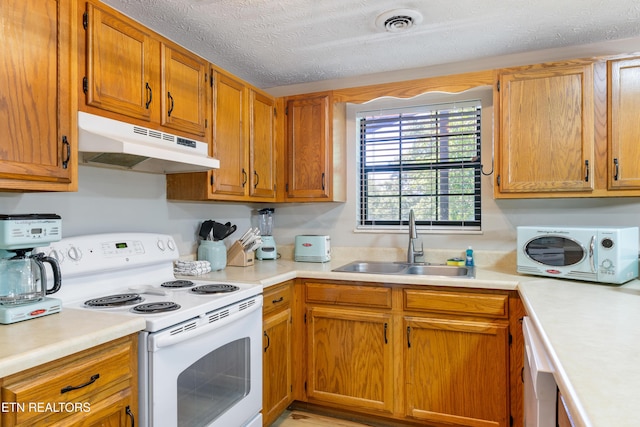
column 592, row 260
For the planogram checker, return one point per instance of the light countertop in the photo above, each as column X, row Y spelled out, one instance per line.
column 34, row 342
column 590, row 330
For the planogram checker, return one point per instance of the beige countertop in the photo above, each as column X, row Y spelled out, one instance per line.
column 24, row 345
column 590, row 330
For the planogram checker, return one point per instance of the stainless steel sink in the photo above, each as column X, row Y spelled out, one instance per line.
column 438, row 270
column 399, row 268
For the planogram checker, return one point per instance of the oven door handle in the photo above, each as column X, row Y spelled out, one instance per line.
column 174, row 336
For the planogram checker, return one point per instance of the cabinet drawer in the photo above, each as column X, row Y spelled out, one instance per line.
column 81, row 379
column 277, row 297
column 368, row 296
column 458, row 303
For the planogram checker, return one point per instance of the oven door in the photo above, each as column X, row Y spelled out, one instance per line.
column 205, row 372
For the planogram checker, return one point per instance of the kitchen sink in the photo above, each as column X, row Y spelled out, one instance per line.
column 400, row 268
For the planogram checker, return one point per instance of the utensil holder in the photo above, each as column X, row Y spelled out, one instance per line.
column 236, row 256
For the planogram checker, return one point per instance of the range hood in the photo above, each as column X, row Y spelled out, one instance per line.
column 111, row 143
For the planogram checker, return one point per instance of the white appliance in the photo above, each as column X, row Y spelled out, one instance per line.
column 111, row 143
column 200, row 355
column 598, row 254
column 540, row 389
column 312, row 248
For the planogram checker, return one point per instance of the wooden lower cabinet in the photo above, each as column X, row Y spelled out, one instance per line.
column 350, row 358
column 456, row 372
column 277, row 390
column 95, row 387
column 418, row 354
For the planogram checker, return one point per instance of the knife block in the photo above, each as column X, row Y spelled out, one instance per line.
column 236, row 256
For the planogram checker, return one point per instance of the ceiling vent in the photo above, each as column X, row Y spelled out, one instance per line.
column 398, row 20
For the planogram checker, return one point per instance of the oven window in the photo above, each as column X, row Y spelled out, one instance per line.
column 554, row 250
column 214, row 384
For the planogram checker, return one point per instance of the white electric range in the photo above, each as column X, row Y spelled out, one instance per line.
column 200, row 357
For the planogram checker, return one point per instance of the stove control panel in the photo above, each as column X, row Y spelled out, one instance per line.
column 90, row 254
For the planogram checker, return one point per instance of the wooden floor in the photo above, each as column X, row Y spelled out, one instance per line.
column 298, row 418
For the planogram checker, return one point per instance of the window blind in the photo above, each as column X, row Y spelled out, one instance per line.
column 424, row 158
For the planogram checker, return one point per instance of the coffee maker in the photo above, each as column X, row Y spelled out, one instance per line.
column 265, row 223
column 23, row 277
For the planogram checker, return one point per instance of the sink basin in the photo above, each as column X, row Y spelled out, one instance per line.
column 437, row 270
column 373, row 267
column 398, row 268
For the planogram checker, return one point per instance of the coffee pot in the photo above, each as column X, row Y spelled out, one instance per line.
column 23, row 278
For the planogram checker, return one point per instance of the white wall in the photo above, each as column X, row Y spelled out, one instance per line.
column 110, row 200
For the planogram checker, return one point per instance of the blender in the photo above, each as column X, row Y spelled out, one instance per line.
column 265, row 223
column 23, row 278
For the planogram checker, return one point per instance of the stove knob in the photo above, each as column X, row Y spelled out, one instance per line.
column 74, row 253
column 171, row 245
column 161, row 245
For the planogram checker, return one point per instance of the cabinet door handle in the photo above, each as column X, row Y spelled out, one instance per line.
column 130, row 414
column 268, row 341
column 244, row 177
column 149, row 96
column 323, row 176
column 616, row 169
column 408, row 336
column 257, row 179
column 275, row 301
column 76, row 387
column 65, row 143
column 170, row 108
column 386, row 325
column 586, row 171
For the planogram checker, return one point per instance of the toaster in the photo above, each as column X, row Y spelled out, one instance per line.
column 312, row 248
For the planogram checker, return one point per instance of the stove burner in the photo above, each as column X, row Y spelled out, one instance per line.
column 156, row 307
column 114, row 300
column 178, row 284
column 214, row 289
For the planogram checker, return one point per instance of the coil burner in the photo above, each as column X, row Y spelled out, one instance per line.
column 178, row 284
column 156, row 307
column 117, row 300
column 217, row 288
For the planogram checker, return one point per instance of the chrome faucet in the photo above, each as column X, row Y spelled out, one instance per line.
column 412, row 253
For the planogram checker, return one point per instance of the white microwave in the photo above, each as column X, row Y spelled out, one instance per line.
column 596, row 254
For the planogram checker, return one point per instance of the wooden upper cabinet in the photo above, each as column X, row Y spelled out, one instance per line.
column 229, row 135
column 546, row 129
column 120, row 65
column 37, row 112
column 309, row 148
column 262, row 146
column 623, row 129
column 184, row 84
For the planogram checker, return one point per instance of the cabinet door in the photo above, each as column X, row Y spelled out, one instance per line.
column 547, row 130
column 184, row 79
column 624, row 132
column 277, row 370
column 350, row 360
column 38, row 151
column 229, row 135
column 457, row 372
column 262, row 146
column 309, row 148
column 119, row 74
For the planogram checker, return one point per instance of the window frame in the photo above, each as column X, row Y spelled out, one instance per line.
column 398, row 106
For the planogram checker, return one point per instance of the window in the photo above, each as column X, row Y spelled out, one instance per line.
column 425, row 158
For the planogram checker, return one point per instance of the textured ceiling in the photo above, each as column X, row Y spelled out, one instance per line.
column 282, row 42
